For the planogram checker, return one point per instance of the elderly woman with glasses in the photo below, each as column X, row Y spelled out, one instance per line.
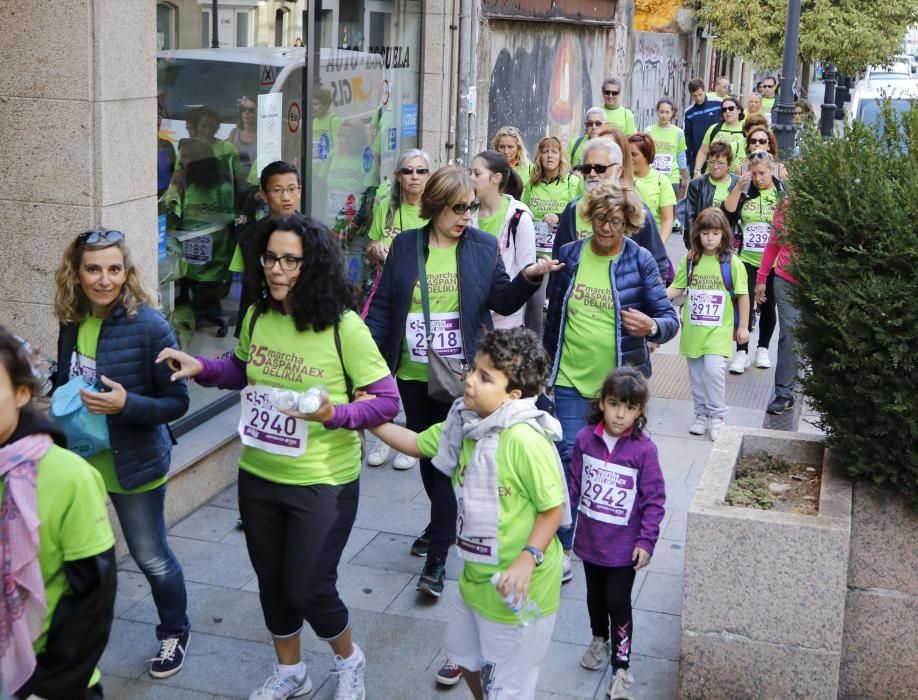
column 730, row 129
column 110, row 335
column 751, row 206
column 464, row 281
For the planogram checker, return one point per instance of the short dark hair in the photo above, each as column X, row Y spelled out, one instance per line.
column 15, row 360
column 624, row 384
column 198, row 113
column 694, row 85
column 721, row 148
column 277, row 167
column 645, row 145
column 323, row 291
column 510, row 181
column 518, row 353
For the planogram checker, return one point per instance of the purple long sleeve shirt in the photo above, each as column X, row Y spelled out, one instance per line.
column 229, row 373
column 620, row 507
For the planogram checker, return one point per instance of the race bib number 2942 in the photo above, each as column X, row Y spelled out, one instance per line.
column 607, row 491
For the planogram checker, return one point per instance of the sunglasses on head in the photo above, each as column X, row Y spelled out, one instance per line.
column 758, row 142
column 760, row 155
column 589, row 124
column 728, row 108
column 586, row 169
column 93, row 237
column 412, row 171
column 611, row 93
column 461, row 207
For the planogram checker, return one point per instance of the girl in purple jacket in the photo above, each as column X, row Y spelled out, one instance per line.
column 617, row 485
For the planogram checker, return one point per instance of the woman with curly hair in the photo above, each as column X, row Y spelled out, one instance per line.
column 509, row 141
column 299, row 504
column 110, row 334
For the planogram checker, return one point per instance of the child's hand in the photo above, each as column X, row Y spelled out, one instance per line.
column 517, row 577
column 742, row 335
column 640, row 557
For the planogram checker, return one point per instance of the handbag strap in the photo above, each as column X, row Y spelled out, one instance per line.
column 422, row 278
column 348, row 383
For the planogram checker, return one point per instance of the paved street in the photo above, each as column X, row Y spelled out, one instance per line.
column 401, row 632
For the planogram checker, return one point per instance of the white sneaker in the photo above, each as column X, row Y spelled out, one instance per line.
column 282, row 686
column 350, row 677
column 403, row 462
column 700, row 426
column 739, row 363
column 762, row 360
column 596, row 656
column 380, row 454
column 567, row 571
column 714, row 427
column 620, row 687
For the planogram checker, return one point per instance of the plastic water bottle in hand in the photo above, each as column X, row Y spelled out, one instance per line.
column 526, row 610
column 308, row 402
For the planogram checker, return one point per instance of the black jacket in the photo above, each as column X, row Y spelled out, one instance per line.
column 127, row 351
column 698, row 197
column 484, row 286
column 82, row 620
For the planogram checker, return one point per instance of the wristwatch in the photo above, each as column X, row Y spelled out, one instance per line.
column 536, row 553
column 654, row 329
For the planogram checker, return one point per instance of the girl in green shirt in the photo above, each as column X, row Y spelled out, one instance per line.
column 655, row 188
column 669, row 141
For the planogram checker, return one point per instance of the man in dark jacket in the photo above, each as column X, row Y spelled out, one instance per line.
column 704, row 112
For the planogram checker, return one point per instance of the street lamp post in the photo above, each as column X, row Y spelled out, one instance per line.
column 214, row 27
column 784, row 125
column 827, row 115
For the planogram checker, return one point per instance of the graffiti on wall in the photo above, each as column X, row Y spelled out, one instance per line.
column 659, row 70
column 543, row 81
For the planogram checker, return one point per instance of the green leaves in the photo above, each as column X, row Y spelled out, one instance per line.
column 853, row 219
column 849, row 34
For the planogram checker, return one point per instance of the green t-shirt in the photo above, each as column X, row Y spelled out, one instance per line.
column 443, row 287
column 707, row 314
column 755, row 224
column 494, row 223
column 83, row 362
column 591, row 329
column 732, row 135
column 348, row 177
column 278, row 355
column 529, row 483
column 74, row 525
column 668, row 143
column 208, row 256
column 768, row 104
column 524, row 171
column 324, row 139
column 575, row 149
column 656, row 192
column 550, row 198
column 584, row 226
column 621, row 117
column 405, row 218
column 721, row 190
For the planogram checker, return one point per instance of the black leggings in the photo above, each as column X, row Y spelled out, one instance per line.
column 295, row 536
column 421, row 412
column 609, row 605
column 768, row 315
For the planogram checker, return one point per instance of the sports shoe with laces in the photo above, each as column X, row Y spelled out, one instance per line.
column 780, row 405
column 403, row 462
column 567, row 571
column 349, row 684
column 700, row 426
column 432, row 576
column 714, row 427
column 595, row 657
column 281, row 686
column 171, row 656
column 420, row 546
column 739, row 363
column 762, row 360
column 449, row 673
column 620, row 685
column 379, row 455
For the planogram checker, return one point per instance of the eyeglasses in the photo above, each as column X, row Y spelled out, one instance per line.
column 611, row 93
column 770, row 87
column 717, row 162
column 281, row 191
column 93, row 237
column 589, row 124
column 247, row 110
column 412, row 171
column 588, row 168
column 728, row 108
column 288, row 263
column 461, row 207
column 760, row 155
column 617, row 222
column 758, row 142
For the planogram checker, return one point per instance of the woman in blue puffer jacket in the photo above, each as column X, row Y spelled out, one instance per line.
column 605, row 304
column 110, row 335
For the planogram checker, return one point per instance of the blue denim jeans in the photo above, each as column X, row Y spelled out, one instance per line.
column 143, row 522
column 572, row 411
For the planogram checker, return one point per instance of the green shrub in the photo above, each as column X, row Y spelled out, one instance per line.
column 853, row 217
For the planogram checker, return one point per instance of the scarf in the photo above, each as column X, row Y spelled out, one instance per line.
column 481, row 500
column 22, row 611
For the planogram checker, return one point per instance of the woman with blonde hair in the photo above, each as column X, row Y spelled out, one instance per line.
column 509, row 141
column 110, row 335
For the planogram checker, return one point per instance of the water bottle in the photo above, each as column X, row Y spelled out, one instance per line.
column 526, row 610
column 308, row 402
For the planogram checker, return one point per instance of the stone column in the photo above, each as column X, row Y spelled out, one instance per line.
column 77, row 144
column 438, row 81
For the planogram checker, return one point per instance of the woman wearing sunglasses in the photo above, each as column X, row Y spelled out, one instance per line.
column 763, row 140
column 466, row 280
column 751, row 205
column 730, row 129
column 244, row 136
column 593, row 121
column 110, row 335
column 509, row 141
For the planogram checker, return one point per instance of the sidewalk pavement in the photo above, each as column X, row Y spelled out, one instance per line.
column 400, row 631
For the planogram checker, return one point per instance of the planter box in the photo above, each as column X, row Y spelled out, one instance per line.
column 764, row 596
